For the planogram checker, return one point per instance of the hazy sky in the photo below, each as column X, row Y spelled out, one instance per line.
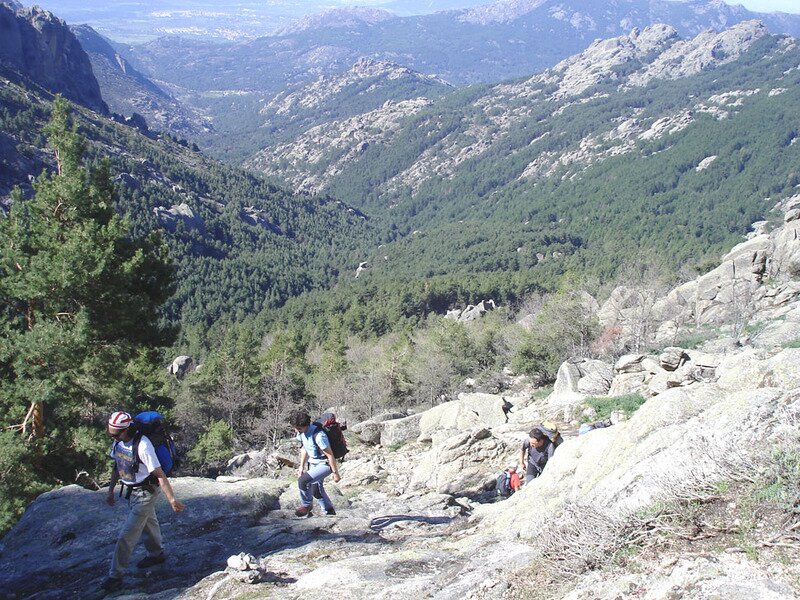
column 790, row 6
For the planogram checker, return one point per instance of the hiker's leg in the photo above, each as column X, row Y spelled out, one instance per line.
column 531, row 473
column 318, row 473
column 304, row 483
column 152, row 530
column 130, row 534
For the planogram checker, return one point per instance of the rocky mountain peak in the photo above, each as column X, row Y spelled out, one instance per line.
column 710, row 48
column 369, row 67
column 661, row 51
column 504, row 11
column 337, row 18
column 41, row 47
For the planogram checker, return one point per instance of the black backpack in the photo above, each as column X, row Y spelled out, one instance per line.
column 333, row 429
column 503, row 487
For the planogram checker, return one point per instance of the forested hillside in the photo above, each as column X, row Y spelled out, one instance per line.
column 240, row 244
column 587, row 166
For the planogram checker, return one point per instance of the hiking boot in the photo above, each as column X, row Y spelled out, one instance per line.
column 150, row 561
column 330, row 512
column 303, row 511
column 112, row 583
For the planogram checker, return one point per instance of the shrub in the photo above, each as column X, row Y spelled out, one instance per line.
column 214, row 446
column 604, row 406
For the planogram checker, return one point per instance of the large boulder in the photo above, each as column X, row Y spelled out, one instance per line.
column 785, row 260
column 464, row 463
column 469, row 411
column 596, row 377
column 671, row 358
column 181, row 366
column 398, row 431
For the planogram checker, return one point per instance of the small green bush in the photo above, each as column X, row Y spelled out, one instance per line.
column 604, row 406
column 792, row 344
column 214, row 446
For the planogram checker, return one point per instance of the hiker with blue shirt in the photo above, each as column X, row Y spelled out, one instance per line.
column 315, row 452
column 142, row 480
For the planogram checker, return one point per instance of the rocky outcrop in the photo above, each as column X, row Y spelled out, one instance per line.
column 183, row 213
column 490, row 123
column 710, row 48
column 756, row 282
column 74, row 529
column 41, row 47
column 181, row 366
column 337, row 18
column 471, row 312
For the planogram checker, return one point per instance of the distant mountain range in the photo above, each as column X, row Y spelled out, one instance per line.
column 640, row 145
column 240, row 243
column 647, row 135
column 230, row 83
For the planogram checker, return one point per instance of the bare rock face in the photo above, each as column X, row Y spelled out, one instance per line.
column 40, row 46
column 754, row 369
column 182, row 212
column 635, row 463
column 785, row 259
column 757, row 281
column 733, row 577
column 601, row 61
column 685, row 58
column 73, row 529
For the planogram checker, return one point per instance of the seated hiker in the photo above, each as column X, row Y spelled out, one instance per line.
column 508, row 482
column 587, row 427
column 535, row 453
column 317, row 453
column 137, row 467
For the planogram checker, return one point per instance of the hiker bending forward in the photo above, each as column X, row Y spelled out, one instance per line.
column 141, row 489
column 538, row 449
column 315, row 452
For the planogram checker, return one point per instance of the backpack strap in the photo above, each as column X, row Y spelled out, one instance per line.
column 137, row 437
column 319, row 429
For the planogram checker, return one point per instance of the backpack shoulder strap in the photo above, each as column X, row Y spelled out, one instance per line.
column 135, row 449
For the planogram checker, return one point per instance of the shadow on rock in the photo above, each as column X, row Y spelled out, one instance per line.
column 379, row 523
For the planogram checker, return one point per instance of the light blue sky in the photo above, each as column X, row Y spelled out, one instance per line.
column 789, row 6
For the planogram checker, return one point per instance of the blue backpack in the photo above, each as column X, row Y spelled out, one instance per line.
column 152, row 424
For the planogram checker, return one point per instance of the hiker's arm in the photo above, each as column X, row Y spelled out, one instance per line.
column 176, row 504
column 522, row 457
column 112, row 485
column 303, row 460
column 332, row 462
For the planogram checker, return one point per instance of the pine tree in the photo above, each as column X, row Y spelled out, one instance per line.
column 79, row 301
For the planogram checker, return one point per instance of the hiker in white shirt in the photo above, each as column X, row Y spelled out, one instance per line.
column 142, row 480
